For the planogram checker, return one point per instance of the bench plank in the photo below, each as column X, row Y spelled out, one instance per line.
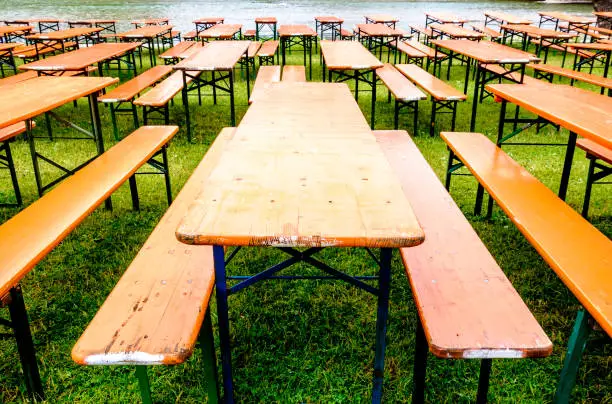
column 398, row 84
column 162, row 93
column 177, row 50
column 294, row 73
column 155, row 311
column 131, row 88
column 594, row 79
column 27, row 237
column 268, row 49
column 431, row 84
column 265, row 76
column 577, row 252
column 468, row 307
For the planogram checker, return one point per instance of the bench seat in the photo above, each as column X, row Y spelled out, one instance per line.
column 467, row 306
column 265, row 76
column 421, row 30
column 294, row 73
column 345, row 34
column 172, row 55
column 596, row 154
column 6, row 135
column 603, row 82
column 404, row 92
column 411, row 53
column 574, row 249
column 267, row 52
column 31, row 234
column 167, row 281
column 17, row 78
column 130, row 89
column 514, row 77
column 190, row 36
column 491, row 33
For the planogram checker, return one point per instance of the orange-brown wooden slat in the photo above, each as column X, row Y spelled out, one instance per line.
column 431, row 84
column 131, row 88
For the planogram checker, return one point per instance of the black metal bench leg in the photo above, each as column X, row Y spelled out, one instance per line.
column 420, row 365
column 207, row 343
column 589, row 186
column 25, row 345
column 11, row 167
column 143, row 384
column 415, row 123
column 134, row 193
column 167, row 175
column 483, row 381
column 433, row 117
column 478, row 204
column 396, row 115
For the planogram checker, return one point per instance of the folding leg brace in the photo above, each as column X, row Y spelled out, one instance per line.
column 6, row 161
column 207, row 344
column 442, row 107
column 161, row 167
column 597, row 172
column 420, row 370
column 412, row 106
column 23, row 336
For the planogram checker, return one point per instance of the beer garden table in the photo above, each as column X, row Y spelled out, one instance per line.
column 108, row 26
column 6, row 56
column 147, row 33
column 221, row 31
column 9, row 33
column 483, row 53
column 601, row 50
column 44, row 24
column 439, row 31
column 216, row 57
column 443, row 18
column 546, row 37
column 385, row 19
column 81, row 59
column 603, row 16
column 28, row 99
column 202, row 24
column 52, row 39
column 379, row 36
column 351, row 60
column 573, row 21
column 582, row 112
column 150, row 21
column 328, row 23
column 263, row 24
column 291, row 35
column 502, row 18
column 302, row 171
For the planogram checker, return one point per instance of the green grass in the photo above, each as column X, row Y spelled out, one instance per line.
column 296, row 342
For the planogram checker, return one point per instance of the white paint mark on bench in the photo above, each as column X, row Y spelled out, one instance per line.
column 492, row 354
column 125, row 358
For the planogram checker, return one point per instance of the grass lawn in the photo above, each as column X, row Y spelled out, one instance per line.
column 309, row 341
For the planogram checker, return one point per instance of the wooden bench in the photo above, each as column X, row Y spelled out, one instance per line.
column 494, row 35
column 597, row 156
column 405, row 93
column 172, row 55
column 250, row 57
column 267, row 52
column 190, row 36
column 467, row 307
column 294, row 73
column 346, row 35
column 249, row 34
column 565, row 49
column 542, row 70
column 444, row 98
column 6, row 136
column 157, row 99
column 167, row 281
column 31, row 234
column 421, row 30
column 412, row 55
column 429, row 52
column 265, row 76
column 17, row 78
column 577, row 252
column 126, row 92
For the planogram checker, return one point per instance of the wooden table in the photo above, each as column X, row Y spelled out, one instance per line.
column 150, row 21
column 546, row 37
column 451, row 31
column 385, row 19
column 328, row 24
column 601, row 50
column 301, row 171
column 350, row 59
column 11, row 33
column 81, row 59
column 150, row 34
column 108, row 26
column 573, row 21
column 603, row 16
column 28, row 99
column 582, row 112
column 61, row 38
column 44, row 24
column 219, row 58
column 221, row 31
column 294, row 35
column 482, row 53
column 265, row 23
column 443, row 18
column 202, row 24
column 6, row 57
column 502, row 18
column 379, row 36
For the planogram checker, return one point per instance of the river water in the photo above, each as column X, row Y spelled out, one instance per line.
column 182, row 13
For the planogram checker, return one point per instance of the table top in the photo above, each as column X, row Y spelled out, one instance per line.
column 152, row 21
column 66, row 33
column 9, row 29
column 537, row 32
column 217, row 55
column 92, row 21
column 381, row 18
column 209, row 20
column 29, row 20
column 584, row 112
column 487, row 51
column 566, row 17
column 30, row 98
column 378, row 30
column 607, row 14
column 221, row 31
column 150, row 31
column 8, row 46
column 296, row 30
column 446, row 18
column 266, row 20
column 302, row 170
column 348, row 55
column 81, row 58
column 456, row 31
column 603, row 46
column 506, row 17
column 328, row 19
